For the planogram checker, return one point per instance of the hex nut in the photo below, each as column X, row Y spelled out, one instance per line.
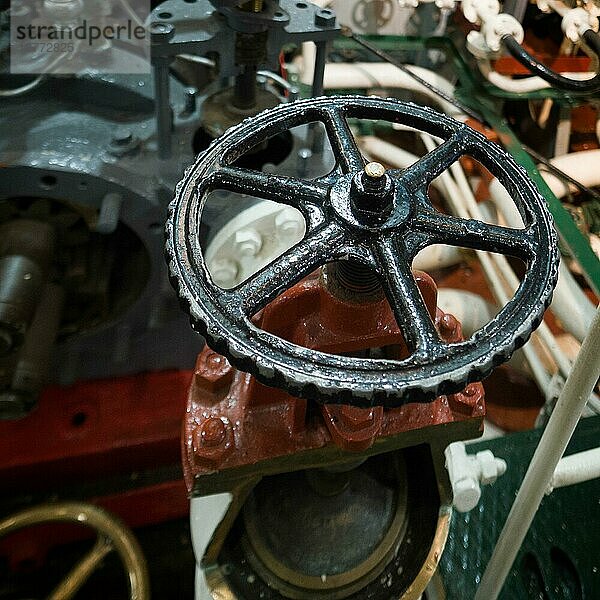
column 223, row 272
column 247, row 242
column 212, row 442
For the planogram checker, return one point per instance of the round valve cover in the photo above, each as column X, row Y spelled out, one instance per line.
column 382, row 227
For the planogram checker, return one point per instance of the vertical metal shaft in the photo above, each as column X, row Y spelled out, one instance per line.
column 316, row 131
column 319, row 76
column 245, row 88
column 571, row 402
column 164, row 115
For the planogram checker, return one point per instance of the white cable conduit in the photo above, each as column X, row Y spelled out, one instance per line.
column 366, row 75
column 498, row 287
column 543, row 333
column 582, row 166
column 539, row 372
column 579, row 385
column 567, row 291
column 472, row 210
column 445, row 183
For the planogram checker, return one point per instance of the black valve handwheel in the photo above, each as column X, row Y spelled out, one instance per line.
column 336, row 230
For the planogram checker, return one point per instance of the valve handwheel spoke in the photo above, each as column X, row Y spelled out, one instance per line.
column 342, row 140
column 378, row 218
column 294, row 192
column 470, row 233
column 286, row 270
column 404, row 296
column 420, row 174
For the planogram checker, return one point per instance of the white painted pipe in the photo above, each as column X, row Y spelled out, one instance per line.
column 583, row 166
column 576, row 468
column 459, row 195
column 572, row 307
column 436, row 257
column 455, row 196
column 472, row 209
column 578, row 387
column 386, row 152
column 558, row 6
column 376, row 75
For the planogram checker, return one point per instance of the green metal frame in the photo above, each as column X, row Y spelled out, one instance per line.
column 487, row 99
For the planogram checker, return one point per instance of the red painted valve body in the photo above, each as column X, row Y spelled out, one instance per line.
column 232, row 421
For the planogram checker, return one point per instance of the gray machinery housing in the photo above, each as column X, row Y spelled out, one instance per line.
column 89, row 165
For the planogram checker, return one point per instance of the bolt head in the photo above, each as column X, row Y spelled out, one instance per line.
column 450, row 328
column 212, row 432
column 248, row 242
column 466, row 494
column 223, row 272
column 213, row 371
column 290, row 224
column 212, row 442
column 468, row 400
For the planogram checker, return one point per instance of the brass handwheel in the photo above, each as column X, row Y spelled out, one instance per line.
column 112, row 535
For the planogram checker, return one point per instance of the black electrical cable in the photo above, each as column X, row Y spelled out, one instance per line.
column 556, row 80
column 347, row 32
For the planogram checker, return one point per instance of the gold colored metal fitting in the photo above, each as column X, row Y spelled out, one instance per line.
column 375, row 170
column 253, row 6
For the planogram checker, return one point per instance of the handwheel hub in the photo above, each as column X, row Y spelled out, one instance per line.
column 372, row 194
column 372, row 199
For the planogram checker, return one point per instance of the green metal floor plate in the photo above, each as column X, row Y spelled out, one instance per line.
column 560, row 557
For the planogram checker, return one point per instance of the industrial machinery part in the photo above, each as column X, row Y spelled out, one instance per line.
column 373, row 223
column 365, row 330
column 112, row 536
column 256, row 31
column 92, row 300
column 259, row 461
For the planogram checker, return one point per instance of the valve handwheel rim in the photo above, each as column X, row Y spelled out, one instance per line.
column 386, row 240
